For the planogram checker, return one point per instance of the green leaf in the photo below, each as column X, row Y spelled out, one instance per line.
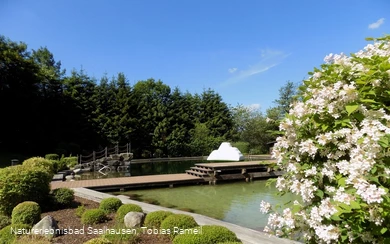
column 343, row 238
column 296, row 209
column 335, row 218
column 383, row 230
column 374, row 179
column 345, row 207
column 320, row 193
column 341, row 181
column 368, row 101
column 358, row 116
column 355, row 205
column 384, row 142
column 369, row 39
column 351, row 108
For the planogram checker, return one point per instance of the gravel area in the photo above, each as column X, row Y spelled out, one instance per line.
column 67, row 219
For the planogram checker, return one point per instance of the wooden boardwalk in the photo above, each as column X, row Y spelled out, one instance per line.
column 129, row 182
column 199, row 174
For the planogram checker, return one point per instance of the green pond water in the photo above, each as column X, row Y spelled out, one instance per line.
column 155, row 168
column 237, row 202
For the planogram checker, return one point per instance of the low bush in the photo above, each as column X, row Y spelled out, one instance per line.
column 55, row 165
column 126, row 208
column 99, row 240
column 26, row 213
column 70, row 162
column 154, row 219
column 207, row 234
column 122, row 235
column 9, row 233
column 80, row 210
column 61, row 165
column 111, row 204
column 21, row 183
column 58, row 165
column 181, row 221
column 93, row 216
column 52, row 156
column 63, row 197
column 39, row 162
column 4, row 221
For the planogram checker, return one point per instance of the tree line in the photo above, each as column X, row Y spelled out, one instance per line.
column 44, row 110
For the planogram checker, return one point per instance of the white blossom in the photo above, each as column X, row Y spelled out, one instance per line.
column 311, row 172
column 343, row 197
column 369, row 192
column 316, row 154
column 328, row 233
column 265, row 207
column 309, row 147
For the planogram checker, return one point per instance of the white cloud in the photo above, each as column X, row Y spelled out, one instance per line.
column 254, row 106
column 376, row 24
column 232, row 70
column 267, row 59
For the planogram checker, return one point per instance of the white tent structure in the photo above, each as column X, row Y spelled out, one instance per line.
column 226, row 152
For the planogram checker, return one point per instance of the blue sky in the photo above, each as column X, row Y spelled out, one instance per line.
column 243, row 49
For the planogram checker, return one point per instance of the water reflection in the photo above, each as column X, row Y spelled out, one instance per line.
column 236, row 203
column 155, row 168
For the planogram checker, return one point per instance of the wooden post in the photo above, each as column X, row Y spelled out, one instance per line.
column 117, row 149
column 94, row 156
column 105, row 153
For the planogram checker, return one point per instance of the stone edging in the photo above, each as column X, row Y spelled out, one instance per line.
column 247, row 236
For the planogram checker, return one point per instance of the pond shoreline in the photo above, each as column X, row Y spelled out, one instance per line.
column 247, row 236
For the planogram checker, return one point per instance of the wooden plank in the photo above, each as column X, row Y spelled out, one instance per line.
column 128, row 181
column 196, row 173
column 234, row 165
column 202, row 169
column 259, row 175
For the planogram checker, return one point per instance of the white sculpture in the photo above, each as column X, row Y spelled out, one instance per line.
column 226, row 152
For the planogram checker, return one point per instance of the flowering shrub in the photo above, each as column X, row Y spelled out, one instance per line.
column 336, row 152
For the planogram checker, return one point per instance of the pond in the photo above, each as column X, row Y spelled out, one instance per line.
column 155, row 168
column 237, row 203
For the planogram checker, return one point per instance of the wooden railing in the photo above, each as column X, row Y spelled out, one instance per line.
column 106, row 152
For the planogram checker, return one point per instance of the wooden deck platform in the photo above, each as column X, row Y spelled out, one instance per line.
column 234, row 165
column 199, row 174
column 130, row 182
column 224, row 171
